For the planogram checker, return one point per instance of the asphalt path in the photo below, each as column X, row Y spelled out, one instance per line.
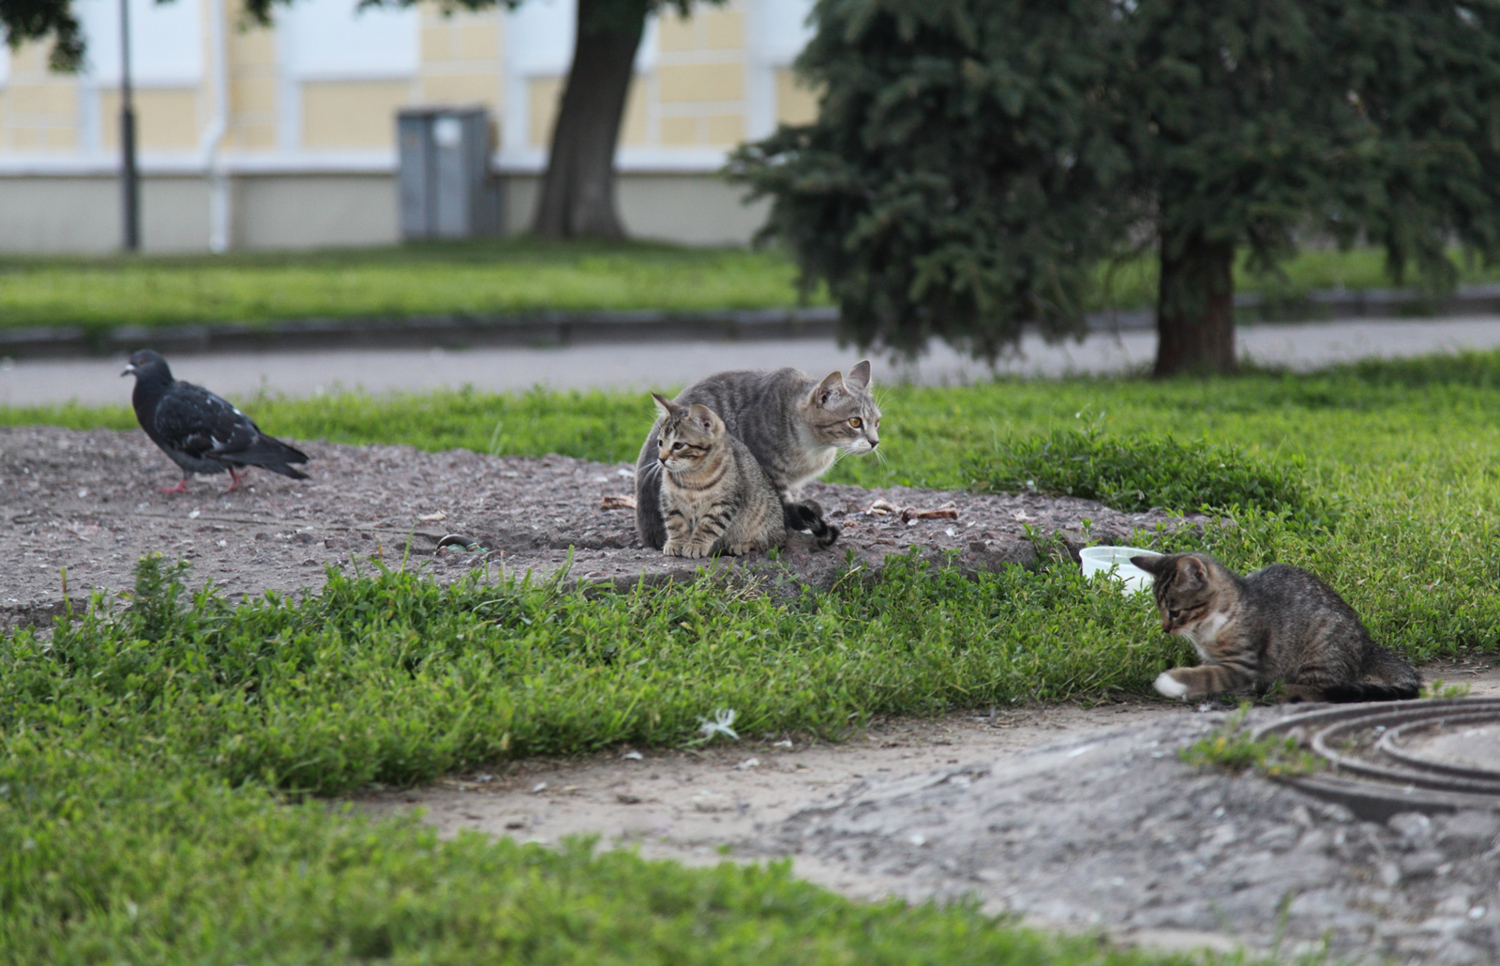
column 642, row 366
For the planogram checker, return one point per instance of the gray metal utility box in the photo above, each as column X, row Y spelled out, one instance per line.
column 445, row 185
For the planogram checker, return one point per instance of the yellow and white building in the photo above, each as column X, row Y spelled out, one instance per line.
column 253, row 137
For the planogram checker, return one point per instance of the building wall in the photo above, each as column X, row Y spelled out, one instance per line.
column 81, row 213
column 298, row 120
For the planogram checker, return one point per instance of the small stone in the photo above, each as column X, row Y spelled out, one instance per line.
column 1389, row 874
column 1469, row 828
column 1412, row 826
column 1422, row 863
column 1452, row 906
column 712, row 802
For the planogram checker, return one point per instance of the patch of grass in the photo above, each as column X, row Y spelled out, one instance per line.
column 1138, row 472
column 1231, row 747
column 475, row 278
column 512, row 276
column 1439, row 690
column 1132, row 284
column 392, row 678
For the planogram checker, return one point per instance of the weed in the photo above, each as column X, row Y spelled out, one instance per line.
column 1438, row 690
column 1230, row 747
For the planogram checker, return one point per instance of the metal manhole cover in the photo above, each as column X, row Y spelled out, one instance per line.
column 1420, row 756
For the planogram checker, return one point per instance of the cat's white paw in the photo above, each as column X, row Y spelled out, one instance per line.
column 693, row 550
column 1169, row 686
column 672, row 549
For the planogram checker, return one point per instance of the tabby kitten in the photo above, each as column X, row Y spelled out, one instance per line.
column 794, row 425
column 714, row 497
column 1280, row 626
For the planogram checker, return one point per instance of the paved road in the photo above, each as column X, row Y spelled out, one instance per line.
column 642, row 366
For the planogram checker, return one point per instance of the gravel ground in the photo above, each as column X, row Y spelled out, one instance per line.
column 1110, row 830
column 88, row 502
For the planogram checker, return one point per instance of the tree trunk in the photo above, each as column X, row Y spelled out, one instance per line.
column 578, row 191
column 1195, row 307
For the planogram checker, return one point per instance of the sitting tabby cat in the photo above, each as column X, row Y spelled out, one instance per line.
column 1277, row 626
column 794, row 425
column 715, row 498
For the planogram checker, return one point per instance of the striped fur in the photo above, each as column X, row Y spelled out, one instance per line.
column 793, row 424
column 715, row 498
column 1279, row 630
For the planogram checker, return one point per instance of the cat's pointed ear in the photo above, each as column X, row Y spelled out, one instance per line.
column 1152, row 565
column 859, row 376
column 705, row 418
column 665, row 405
column 1191, row 572
column 831, row 385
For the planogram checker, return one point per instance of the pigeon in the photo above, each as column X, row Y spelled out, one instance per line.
column 202, row 432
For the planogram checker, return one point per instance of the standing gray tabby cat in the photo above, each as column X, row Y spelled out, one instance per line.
column 794, row 425
column 715, row 498
column 1277, row 626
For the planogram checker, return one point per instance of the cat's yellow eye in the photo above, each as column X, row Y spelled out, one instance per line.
column 676, row 447
column 856, row 422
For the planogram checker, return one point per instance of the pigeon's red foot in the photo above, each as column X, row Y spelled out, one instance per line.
column 181, row 487
column 234, row 479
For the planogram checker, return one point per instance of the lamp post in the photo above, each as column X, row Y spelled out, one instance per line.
column 129, row 183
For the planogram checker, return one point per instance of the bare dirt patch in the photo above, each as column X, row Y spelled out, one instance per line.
column 1083, row 818
column 88, row 502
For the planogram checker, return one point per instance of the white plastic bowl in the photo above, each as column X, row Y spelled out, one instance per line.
column 1115, row 562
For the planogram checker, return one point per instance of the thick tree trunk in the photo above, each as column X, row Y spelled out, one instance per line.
column 578, row 192
column 1195, row 307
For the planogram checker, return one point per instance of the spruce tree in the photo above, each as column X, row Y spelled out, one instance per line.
column 960, row 177
column 973, row 161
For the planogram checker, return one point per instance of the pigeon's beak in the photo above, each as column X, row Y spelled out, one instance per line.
column 129, row 370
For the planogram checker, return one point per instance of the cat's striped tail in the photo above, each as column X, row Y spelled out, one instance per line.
column 1388, row 677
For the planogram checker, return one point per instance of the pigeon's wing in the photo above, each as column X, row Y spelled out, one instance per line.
column 200, row 424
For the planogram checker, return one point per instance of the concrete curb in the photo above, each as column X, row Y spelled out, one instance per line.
column 558, row 329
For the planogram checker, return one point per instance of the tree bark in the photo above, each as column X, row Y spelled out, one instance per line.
column 578, row 191
column 1195, row 307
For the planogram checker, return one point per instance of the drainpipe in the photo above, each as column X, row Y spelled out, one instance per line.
column 213, row 137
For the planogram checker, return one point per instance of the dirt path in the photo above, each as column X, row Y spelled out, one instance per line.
column 88, row 502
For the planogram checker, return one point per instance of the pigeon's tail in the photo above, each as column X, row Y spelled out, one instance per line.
column 264, row 452
column 269, row 454
column 284, row 470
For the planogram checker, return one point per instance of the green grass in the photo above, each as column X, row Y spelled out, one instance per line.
column 142, row 748
column 390, row 678
column 1232, row 748
column 503, row 277
column 480, row 278
column 1132, row 284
